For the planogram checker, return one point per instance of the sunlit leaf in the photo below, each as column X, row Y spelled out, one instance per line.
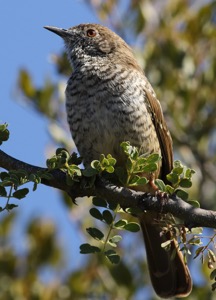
column 120, row 223
column 132, row 226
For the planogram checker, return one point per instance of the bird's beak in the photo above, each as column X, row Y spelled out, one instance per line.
column 60, row 31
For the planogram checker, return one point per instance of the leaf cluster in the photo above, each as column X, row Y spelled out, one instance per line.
column 68, row 163
column 108, row 241
column 180, row 178
column 187, row 238
column 11, row 183
column 4, row 133
column 137, row 166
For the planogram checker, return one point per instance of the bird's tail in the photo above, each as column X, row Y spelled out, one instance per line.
column 170, row 277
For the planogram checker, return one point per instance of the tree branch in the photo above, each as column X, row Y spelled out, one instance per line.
column 125, row 197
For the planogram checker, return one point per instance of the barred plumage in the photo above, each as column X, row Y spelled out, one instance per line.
column 109, row 100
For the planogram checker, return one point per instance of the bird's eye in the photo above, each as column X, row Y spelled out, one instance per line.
column 91, row 33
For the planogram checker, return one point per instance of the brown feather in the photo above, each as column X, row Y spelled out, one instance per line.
column 163, row 134
column 170, row 277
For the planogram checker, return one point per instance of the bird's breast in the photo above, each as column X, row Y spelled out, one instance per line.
column 102, row 113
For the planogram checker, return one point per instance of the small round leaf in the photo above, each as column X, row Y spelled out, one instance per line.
column 95, row 233
column 95, row 213
column 107, row 216
column 20, row 193
column 132, row 226
column 87, row 248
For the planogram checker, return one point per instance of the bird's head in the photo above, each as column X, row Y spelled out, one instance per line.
column 87, row 41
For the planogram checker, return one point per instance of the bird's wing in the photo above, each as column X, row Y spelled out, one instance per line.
column 163, row 133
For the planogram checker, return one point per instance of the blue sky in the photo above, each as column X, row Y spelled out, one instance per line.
column 24, row 43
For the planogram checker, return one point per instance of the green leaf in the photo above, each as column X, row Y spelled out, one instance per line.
column 189, row 173
column 211, row 255
column 112, row 204
column 150, row 167
column 169, row 189
column 102, row 158
column 194, row 203
column 34, row 187
column 120, row 223
column 20, row 193
column 160, row 184
column 199, row 251
column 3, row 127
column 178, row 170
column 110, row 169
column 107, row 163
column 194, row 241
column 99, row 202
column 142, row 181
column 185, row 183
column 51, row 163
column 4, row 175
column 213, row 275
column 116, row 239
column 74, row 159
column 87, row 248
column 177, row 164
column 182, row 194
column 132, row 226
column 197, row 230
column 95, row 164
column 74, row 170
column 6, row 182
column 141, row 161
column 95, row 233
column 134, row 180
column 173, row 178
column 4, row 133
column 154, row 158
column 3, row 191
column 32, row 177
column 62, row 152
column 137, row 180
column 129, row 150
column 129, row 164
column 112, row 160
column 112, row 256
column 95, row 213
column 107, row 216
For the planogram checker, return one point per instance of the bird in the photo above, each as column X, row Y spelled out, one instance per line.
column 109, row 100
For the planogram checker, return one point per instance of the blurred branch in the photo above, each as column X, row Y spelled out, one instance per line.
column 192, row 216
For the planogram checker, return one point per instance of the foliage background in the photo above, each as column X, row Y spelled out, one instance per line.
column 175, row 42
